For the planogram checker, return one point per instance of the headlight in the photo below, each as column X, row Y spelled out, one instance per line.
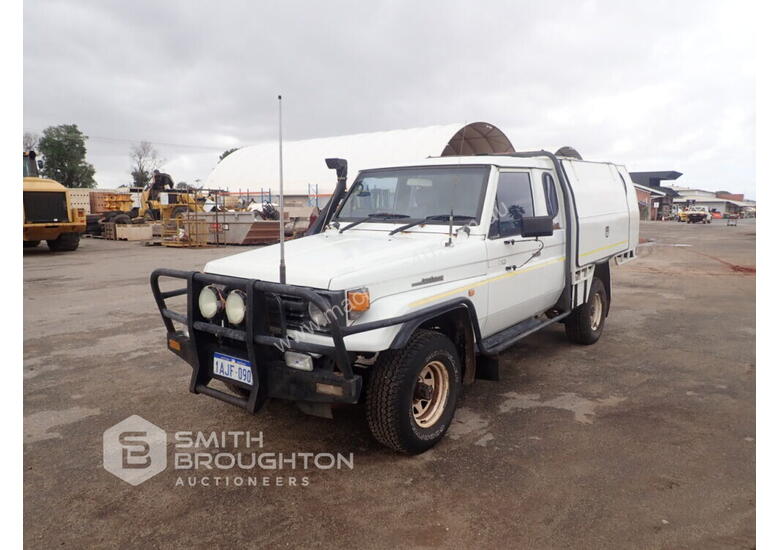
column 235, row 307
column 210, row 301
column 317, row 316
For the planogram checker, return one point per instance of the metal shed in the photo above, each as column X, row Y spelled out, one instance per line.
column 257, row 166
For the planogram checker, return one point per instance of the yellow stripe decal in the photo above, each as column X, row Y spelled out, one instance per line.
column 506, row 275
column 602, row 248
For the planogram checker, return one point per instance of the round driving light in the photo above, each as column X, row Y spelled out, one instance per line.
column 235, row 307
column 209, row 301
column 317, row 316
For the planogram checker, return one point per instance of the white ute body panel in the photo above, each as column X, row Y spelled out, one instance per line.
column 607, row 209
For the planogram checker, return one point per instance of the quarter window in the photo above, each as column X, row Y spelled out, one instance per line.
column 513, row 201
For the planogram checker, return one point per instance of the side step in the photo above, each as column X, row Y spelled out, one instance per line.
column 499, row 341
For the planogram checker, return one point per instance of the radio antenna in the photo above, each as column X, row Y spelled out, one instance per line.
column 282, row 267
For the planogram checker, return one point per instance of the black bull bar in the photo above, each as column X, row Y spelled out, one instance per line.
column 257, row 342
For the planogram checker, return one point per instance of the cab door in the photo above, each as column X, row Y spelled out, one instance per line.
column 526, row 275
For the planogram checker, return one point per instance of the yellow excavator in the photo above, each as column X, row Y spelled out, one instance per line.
column 48, row 213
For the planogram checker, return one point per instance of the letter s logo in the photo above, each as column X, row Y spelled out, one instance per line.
column 136, row 452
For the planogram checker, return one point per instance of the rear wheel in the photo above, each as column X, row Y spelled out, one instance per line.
column 66, row 242
column 412, row 393
column 586, row 322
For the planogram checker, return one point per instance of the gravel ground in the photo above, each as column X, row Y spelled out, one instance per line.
column 644, row 440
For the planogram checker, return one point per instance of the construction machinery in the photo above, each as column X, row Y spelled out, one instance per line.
column 171, row 204
column 48, row 213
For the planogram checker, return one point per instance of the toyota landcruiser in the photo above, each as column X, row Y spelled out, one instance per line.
column 407, row 288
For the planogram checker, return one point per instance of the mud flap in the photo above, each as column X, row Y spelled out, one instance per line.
column 487, row 367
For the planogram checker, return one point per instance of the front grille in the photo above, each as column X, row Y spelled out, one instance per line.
column 45, row 207
column 295, row 311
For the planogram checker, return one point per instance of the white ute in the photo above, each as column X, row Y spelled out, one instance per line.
column 410, row 284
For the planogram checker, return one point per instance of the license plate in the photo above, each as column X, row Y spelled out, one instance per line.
column 234, row 368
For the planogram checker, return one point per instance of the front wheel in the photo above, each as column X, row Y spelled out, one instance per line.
column 586, row 322
column 412, row 393
column 179, row 212
column 66, row 242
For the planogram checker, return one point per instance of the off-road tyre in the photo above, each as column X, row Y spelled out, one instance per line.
column 122, row 219
column 581, row 326
column 66, row 242
column 110, row 215
column 31, row 244
column 179, row 212
column 393, row 385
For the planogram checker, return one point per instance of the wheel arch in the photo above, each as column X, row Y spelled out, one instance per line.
column 458, row 322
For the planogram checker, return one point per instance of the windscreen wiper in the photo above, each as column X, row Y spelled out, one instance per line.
column 375, row 216
column 435, row 217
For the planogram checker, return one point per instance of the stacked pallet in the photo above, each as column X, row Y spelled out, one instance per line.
column 135, row 232
column 99, row 201
column 127, row 232
column 109, row 231
column 119, row 202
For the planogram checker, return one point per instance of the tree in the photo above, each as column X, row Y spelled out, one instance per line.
column 29, row 141
column 226, row 153
column 183, row 185
column 64, row 151
column 145, row 160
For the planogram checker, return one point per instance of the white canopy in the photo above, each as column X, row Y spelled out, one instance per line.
column 257, row 167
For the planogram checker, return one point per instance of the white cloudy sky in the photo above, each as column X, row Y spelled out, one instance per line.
column 654, row 84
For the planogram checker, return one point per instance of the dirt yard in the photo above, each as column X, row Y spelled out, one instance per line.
column 644, row 440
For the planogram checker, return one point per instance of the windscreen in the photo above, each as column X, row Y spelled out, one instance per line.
column 417, row 193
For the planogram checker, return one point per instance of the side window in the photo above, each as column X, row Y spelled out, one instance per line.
column 550, row 196
column 513, row 201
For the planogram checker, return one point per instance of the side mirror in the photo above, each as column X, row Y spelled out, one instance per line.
column 536, row 226
column 40, row 165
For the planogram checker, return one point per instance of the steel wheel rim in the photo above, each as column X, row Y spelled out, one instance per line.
column 430, row 395
column 595, row 312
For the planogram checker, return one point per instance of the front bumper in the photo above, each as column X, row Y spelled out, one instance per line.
column 50, row 231
column 261, row 340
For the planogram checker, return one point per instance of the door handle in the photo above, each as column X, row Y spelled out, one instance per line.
column 511, row 267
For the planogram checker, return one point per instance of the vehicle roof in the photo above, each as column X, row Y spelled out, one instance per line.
column 509, row 161
column 42, row 184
